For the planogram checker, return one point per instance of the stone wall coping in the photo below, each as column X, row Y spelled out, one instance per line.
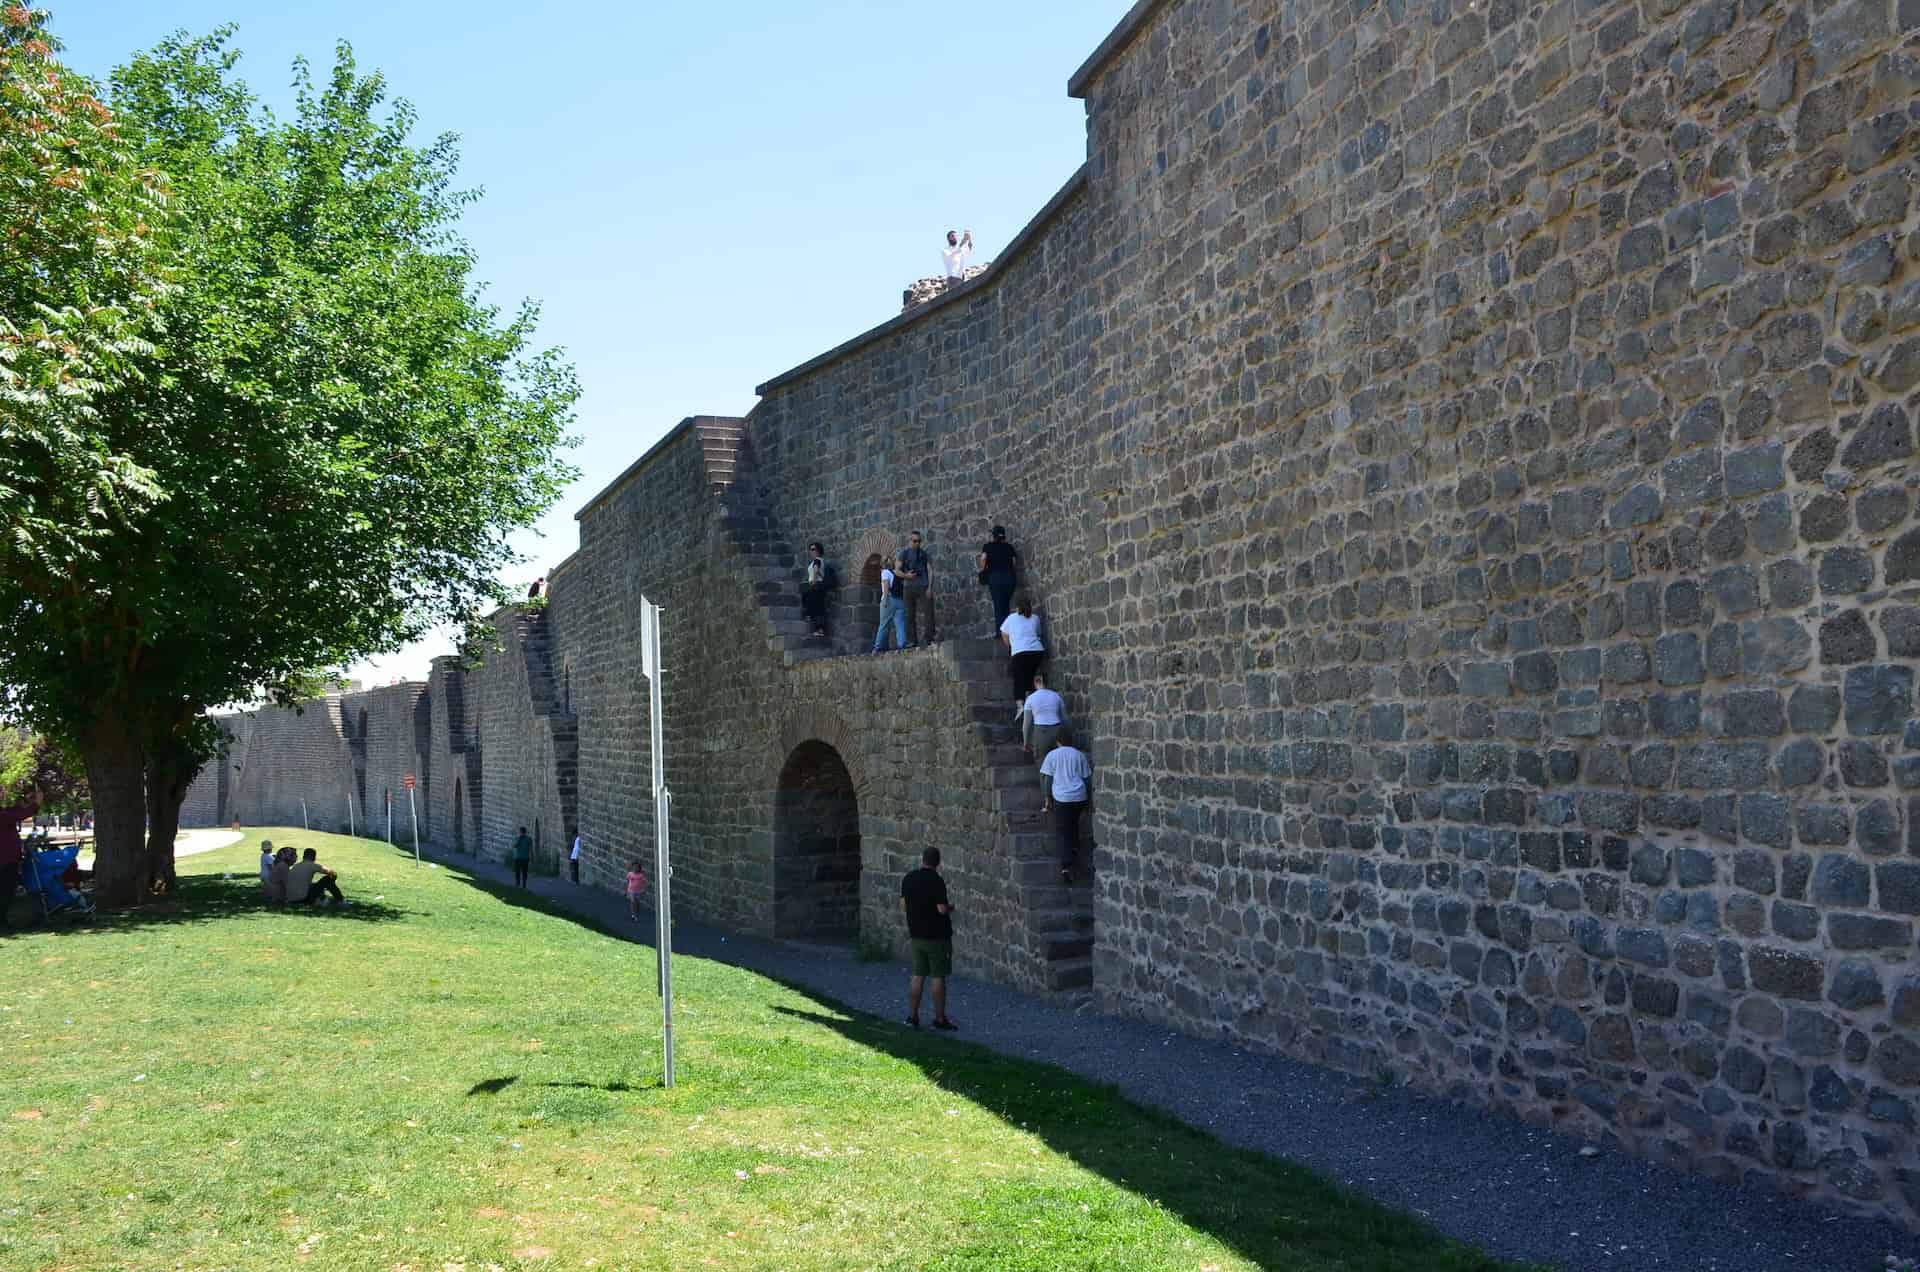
column 1014, row 249
column 673, row 435
column 1136, row 21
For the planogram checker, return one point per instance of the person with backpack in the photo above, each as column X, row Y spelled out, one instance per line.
column 816, row 585
column 893, row 609
column 999, row 571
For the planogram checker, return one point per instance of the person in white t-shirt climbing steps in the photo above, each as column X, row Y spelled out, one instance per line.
column 954, row 258
column 1069, row 777
column 1042, row 717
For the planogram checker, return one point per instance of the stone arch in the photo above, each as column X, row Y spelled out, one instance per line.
column 815, row 724
column 862, row 581
column 816, row 847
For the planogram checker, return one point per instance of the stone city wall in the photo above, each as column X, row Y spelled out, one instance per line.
column 1465, row 458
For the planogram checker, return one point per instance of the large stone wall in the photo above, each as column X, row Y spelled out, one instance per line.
column 1465, row 457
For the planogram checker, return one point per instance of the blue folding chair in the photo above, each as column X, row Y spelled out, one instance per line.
column 45, row 867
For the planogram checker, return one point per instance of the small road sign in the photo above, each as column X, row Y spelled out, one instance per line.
column 408, row 781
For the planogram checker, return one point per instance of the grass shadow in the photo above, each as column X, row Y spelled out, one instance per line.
column 493, row 1086
column 1274, row 1212
column 196, row 899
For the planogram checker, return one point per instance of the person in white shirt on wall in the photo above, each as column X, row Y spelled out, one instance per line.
column 573, row 859
column 954, row 258
column 1020, row 633
column 1069, row 777
column 1042, row 716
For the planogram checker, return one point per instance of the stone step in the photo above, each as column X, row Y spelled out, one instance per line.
column 1057, row 947
column 1045, row 894
column 1072, row 973
column 1054, row 922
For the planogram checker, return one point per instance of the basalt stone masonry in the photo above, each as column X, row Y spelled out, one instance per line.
column 1465, row 455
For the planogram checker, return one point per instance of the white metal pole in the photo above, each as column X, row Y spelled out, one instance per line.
column 303, row 816
column 389, row 816
column 414, row 812
column 662, row 862
column 351, row 832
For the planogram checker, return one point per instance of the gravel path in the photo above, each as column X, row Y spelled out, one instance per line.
column 1519, row 1192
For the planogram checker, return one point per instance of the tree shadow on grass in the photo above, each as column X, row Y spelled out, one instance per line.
column 197, row 899
column 1273, row 1212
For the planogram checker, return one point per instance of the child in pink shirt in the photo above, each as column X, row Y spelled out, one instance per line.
column 636, row 884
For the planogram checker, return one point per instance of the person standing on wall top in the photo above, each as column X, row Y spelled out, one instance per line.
column 522, row 858
column 1069, row 776
column 816, row 581
column 923, row 897
column 1020, row 633
column 893, row 611
column 533, row 591
column 573, row 858
column 954, row 258
column 1043, row 718
column 999, row 566
column 916, row 576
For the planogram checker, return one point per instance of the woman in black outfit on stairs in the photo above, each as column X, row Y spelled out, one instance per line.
column 999, row 571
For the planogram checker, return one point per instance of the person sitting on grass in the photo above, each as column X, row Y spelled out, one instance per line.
column 636, row 884
column 309, row 881
column 266, row 867
column 277, row 876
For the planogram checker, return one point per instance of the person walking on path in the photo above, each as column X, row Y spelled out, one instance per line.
column 1043, row 717
column 1069, row 777
column 636, row 885
column 916, row 577
column 1020, row 633
column 573, row 858
column 893, row 610
column 953, row 259
column 923, row 897
column 11, row 853
column 522, row 858
column 816, row 582
column 999, row 570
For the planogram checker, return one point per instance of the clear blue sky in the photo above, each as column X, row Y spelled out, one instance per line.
column 700, row 195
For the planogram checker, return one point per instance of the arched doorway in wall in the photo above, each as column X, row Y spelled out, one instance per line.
column 459, row 816
column 816, row 850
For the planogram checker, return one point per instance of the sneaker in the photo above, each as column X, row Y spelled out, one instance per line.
column 944, row 1023
column 914, row 1022
column 1066, row 875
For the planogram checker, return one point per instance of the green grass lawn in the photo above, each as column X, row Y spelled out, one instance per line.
column 446, row 1076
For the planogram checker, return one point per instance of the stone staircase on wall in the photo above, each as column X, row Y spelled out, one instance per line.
column 1059, row 918
column 771, row 564
column 535, row 633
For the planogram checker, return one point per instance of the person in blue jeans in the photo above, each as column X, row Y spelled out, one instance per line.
column 893, row 608
column 999, row 570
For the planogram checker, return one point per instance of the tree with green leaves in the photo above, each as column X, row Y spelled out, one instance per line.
column 340, row 434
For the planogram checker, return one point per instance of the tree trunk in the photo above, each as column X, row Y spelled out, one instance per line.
column 116, row 773
column 167, row 784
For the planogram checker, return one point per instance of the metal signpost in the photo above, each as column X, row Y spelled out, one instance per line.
column 662, row 805
column 303, row 815
column 414, row 813
column 350, row 830
column 389, row 814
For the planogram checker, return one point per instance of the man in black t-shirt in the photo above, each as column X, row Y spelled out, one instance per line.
column 923, row 896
